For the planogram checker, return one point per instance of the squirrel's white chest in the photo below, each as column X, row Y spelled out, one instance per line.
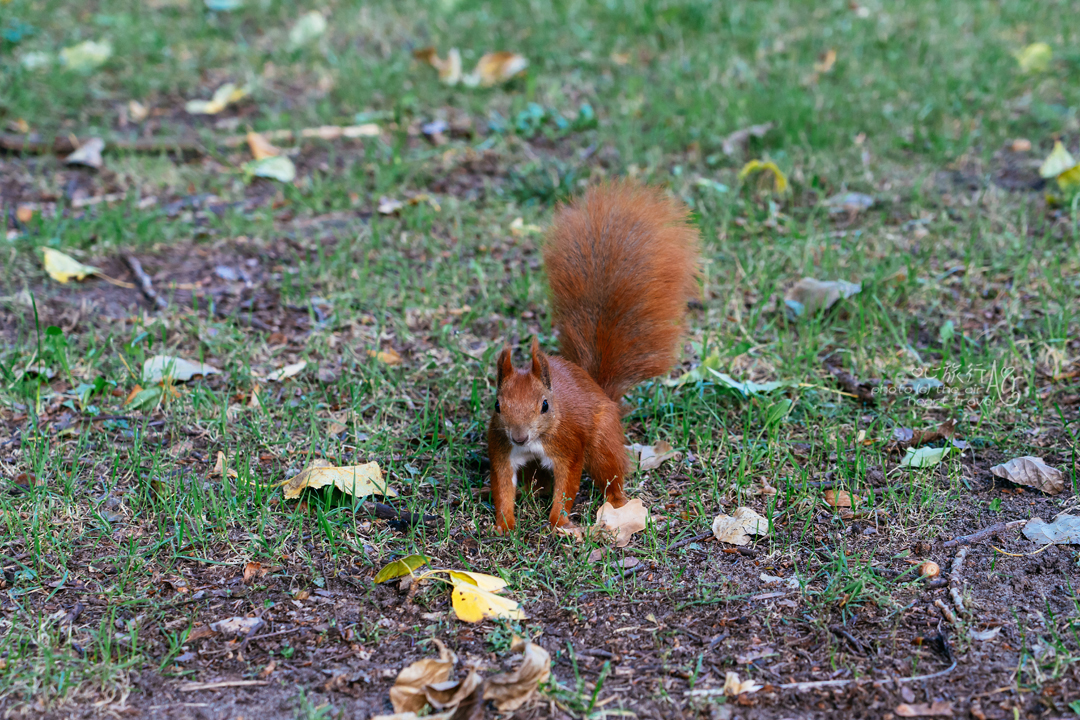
column 523, row 454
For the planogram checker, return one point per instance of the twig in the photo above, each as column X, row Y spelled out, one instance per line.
column 954, row 579
column 1035, row 552
column 637, row 568
column 386, row 512
column 195, row 687
column 946, row 612
column 696, row 538
column 862, row 681
column 984, row 533
column 145, row 284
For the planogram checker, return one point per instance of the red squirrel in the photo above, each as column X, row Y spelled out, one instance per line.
column 622, row 263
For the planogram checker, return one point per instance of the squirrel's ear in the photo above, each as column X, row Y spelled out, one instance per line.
column 504, row 365
column 540, row 367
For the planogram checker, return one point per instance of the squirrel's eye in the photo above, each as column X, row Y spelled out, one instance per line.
column 544, row 407
column 497, row 408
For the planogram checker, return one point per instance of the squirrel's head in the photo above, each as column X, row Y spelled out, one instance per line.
column 525, row 406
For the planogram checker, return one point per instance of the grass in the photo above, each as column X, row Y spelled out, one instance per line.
column 962, row 280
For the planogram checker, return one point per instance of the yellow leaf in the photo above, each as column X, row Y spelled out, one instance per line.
column 261, row 147
column 1069, row 180
column 484, row 582
column 63, row 267
column 1035, row 57
column 401, row 566
column 495, row 68
column 449, row 69
column 224, row 96
column 390, row 357
column 780, row 181
column 356, row 480
column 1057, row 162
column 472, row 603
column 87, row 55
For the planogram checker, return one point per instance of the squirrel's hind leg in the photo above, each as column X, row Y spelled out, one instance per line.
column 608, row 464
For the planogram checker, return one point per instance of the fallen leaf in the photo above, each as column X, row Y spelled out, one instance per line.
column 224, row 96
column 923, row 457
column 808, row 296
column 733, row 687
column 780, row 180
column 738, row 139
column 309, row 27
column 451, row 693
column 712, row 362
column 252, row 571
column 260, row 147
column 144, row 399
column 851, row 203
column 159, row 367
column 1032, row 472
column 518, row 228
column 390, row 357
column 737, row 528
column 985, row 635
column 63, row 268
column 494, row 68
column 356, row 480
column 275, row 167
column 1061, row 165
column 237, row 625
column 287, row 372
column 509, row 691
column 939, row 708
column 1065, row 530
column 1020, row 145
column 389, row 206
column 1035, row 57
column 88, row 154
column 24, row 214
column 650, row 457
column 221, row 467
column 826, row 61
column 400, row 567
column 86, row 56
column 748, row 387
column 622, row 523
column 485, row 582
column 137, row 111
column 449, row 69
column 472, row 603
column 407, row 695
column 841, row 498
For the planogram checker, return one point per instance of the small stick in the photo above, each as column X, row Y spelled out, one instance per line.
column 145, row 285
column 984, row 533
column 954, row 579
column 386, row 512
column 697, row 538
column 946, row 612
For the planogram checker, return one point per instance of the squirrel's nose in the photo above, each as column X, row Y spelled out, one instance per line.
column 519, row 438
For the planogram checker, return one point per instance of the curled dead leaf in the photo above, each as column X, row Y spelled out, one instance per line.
column 733, row 687
column 1031, row 472
column 650, row 457
column 390, row 357
column 252, row 571
column 509, row 691
column 356, row 480
column 494, row 68
column 261, row 147
column 220, row 469
column 737, row 528
column 842, row 498
column 408, row 695
column 808, row 296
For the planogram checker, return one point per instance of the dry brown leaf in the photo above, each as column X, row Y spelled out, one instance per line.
column 261, row 147
column 650, row 457
column 220, row 467
column 737, row 528
column 356, row 480
column 1031, row 472
column 449, row 69
column 939, row 708
column 390, row 357
column 733, row 687
column 24, row 213
column 842, row 498
column 451, row 693
column 408, row 695
column 826, row 61
column 509, row 691
column 495, row 68
column 88, row 154
column 252, row 571
column 622, row 523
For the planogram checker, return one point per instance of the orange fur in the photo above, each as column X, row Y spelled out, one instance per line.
column 622, row 263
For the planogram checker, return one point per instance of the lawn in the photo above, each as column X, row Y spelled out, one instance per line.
column 144, row 522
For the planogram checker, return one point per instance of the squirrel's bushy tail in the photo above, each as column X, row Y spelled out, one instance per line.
column 622, row 263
